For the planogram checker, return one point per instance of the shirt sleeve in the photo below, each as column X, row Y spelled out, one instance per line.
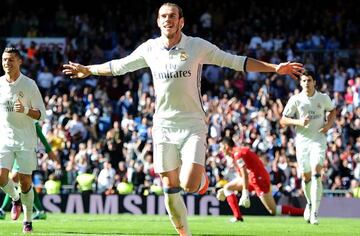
column 211, row 54
column 133, row 62
column 238, row 160
column 290, row 108
column 329, row 106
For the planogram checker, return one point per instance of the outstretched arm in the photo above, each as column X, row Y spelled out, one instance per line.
column 293, row 69
column 78, row 71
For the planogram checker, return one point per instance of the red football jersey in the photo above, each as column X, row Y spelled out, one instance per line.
column 244, row 156
column 259, row 178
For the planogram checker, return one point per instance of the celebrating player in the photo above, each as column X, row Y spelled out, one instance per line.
column 252, row 176
column 21, row 103
column 306, row 111
column 179, row 129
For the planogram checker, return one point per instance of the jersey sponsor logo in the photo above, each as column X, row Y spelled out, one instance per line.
column 8, row 106
column 171, row 74
column 312, row 115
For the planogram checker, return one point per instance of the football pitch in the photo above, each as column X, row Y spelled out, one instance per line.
column 124, row 224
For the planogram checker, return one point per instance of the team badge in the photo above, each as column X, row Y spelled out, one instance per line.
column 183, row 56
column 319, row 105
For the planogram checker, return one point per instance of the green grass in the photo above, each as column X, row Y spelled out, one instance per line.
column 62, row 224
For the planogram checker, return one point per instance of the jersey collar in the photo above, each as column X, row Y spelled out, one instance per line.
column 178, row 46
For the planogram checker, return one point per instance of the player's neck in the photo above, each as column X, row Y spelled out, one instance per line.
column 170, row 42
column 310, row 93
column 12, row 77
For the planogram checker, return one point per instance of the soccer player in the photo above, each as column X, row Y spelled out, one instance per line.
column 39, row 210
column 252, row 176
column 179, row 129
column 20, row 103
column 306, row 111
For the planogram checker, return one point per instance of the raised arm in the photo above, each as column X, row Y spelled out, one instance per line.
column 293, row 69
column 78, row 71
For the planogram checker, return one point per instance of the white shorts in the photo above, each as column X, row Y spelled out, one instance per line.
column 26, row 160
column 174, row 147
column 310, row 155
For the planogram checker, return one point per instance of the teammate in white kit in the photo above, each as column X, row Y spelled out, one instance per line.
column 179, row 130
column 306, row 111
column 20, row 103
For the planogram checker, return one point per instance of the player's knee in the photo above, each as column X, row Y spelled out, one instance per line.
column 190, row 187
column 3, row 181
column 15, row 177
column 307, row 177
column 25, row 184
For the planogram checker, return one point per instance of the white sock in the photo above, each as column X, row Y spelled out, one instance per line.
column 228, row 192
column 10, row 189
column 27, row 200
column 307, row 190
column 316, row 193
column 176, row 209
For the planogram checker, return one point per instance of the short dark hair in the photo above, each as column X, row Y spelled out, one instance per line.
column 310, row 73
column 228, row 141
column 12, row 50
column 170, row 4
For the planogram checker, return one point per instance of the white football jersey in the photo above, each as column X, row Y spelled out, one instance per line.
column 176, row 76
column 18, row 131
column 315, row 107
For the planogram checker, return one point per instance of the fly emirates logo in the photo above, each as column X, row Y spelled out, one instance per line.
column 171, row 72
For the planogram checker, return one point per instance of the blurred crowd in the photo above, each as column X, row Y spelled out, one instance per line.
column 101, row 127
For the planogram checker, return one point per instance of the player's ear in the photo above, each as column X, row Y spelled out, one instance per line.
column 158, row 22
column 182, row 23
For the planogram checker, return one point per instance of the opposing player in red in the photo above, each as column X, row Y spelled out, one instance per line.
column 252, row 176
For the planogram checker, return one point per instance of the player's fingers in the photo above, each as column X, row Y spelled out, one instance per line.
column 296, row 72
column 67, row 66
column 296, row 64
column 298, row 68
column 68, row 71
column 293, row 76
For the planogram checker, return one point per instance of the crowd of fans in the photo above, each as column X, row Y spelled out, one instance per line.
column 101, row 127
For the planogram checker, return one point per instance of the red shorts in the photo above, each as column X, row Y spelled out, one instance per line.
column 260, row 183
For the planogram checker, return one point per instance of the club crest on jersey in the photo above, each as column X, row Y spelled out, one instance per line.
column 21, row 94
column 183, row 56
column 319, row 105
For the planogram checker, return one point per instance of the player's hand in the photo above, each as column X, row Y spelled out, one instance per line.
column 76, row 70
column 293, row 69
column 18, row 106
column 220, row 195
column 304, row 121
column 245, row 199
